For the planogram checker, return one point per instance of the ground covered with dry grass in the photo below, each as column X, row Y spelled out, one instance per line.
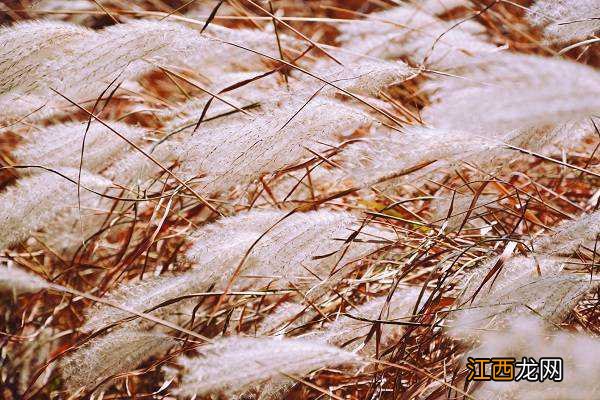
column 297, row 199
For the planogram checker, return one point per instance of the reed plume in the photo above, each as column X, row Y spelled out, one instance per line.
column 503, row 289
column 570, row 235
column 305, row 249
column 117, row 352
column 237, row 364
column 68, row 145
column 380, row 313
column 18, row 281
column 527, row 337
column 271, row 200
column 566, row 20
column 44, row 199
column 514, row 93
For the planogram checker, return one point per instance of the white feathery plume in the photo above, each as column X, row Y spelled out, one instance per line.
column 56, row 5
column 240, row 153
column 27, row 48
column 236, row 234
column 185, row 118
column 407, row 31
column 285, row 254
column 20, row 281
column 31, row 107
column 80, row 17
column 566, row 20
column 236, row 365
column 354, row 331
column 261, row 88
column 83, row 68
column 569, row 235
column 117, row 352
column 527, row 337
column 73, row 226
column 135, row 167
column 129, row 48
column 386, row 157
column 437, row 7
column 286, row 317
column 515, row 92
column 550, row 137
column 451, row 44
column 228, row 58
column 218, row 248
column 461, row 206
column 307, row 249
column 42, row 199
column 144, row 295
column 363, row 77
column 61, row 145
column 522, row 286
column 290, row 250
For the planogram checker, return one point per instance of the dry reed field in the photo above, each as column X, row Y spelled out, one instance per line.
column 292, row 199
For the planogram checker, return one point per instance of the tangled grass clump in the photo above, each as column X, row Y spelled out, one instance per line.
column 288, row 199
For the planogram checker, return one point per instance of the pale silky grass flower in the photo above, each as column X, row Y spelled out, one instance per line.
column 570, row 235
column 29, row 46
column 353, row 330
column 566, row 20
column 236, row 365
column 515, row 92
column 44, row 199
column 18, row 281
column 442, row 6
column 81, row 63
column 62, row 145
column 216, row 252
column 184, row 120
column 535, row 285
column 406, row 31
column 240, row 153
column 143, row 296
column 386, row 158
column 135, row 168
column 117, row 352
column 527, row 337
column 306, row 249
column 363, row 77
column 286, row 317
